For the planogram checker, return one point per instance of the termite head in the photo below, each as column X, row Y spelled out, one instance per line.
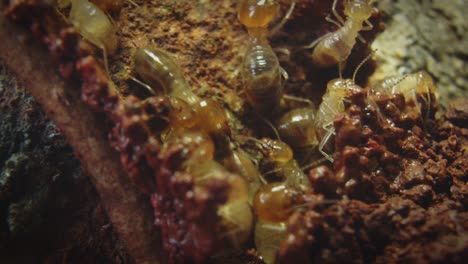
column 425, row 83
column 213, row 119
column 257, row 13
column 276, row 152
column 340, row 87
column 275, row 202
column 358, row 9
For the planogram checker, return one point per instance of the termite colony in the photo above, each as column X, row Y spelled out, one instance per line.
column 225, row 188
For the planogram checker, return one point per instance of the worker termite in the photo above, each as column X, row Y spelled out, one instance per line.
column 274, row 202
column 268, row 237
column 240, row 162
column 335, row 47
column 161, row 75
column 273, row 205
column 192, row 135
column 236, row 214
column 415, row 87
column 93, row 25
column 280, row 156
column 198, row 160
column 198, row 149
column 333, row 103
column 261, row 71
column 198, row 146
column 206, row 115
column 296, row 127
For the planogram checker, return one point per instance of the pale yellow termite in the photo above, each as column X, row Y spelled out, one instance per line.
column 335, row 47
column 95, row 26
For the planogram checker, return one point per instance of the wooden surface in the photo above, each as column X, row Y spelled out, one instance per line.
column 83, row 130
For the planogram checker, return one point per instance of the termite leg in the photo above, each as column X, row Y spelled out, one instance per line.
column 322, row 144
column 360, row 38
column 285, row 75
column 284, row 51
column 104, row 54
column 315, row 42
column 335, row 13
column 62, row 15
column 336, row 23
column 360, row 65
column 368, row 26
column 270, row 125
column 315, row 163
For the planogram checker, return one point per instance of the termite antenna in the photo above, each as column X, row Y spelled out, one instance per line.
column 270, row 125
column 284, row 19
column 402, row 78
column 318, row 162
column 297, row 99
column 315, row 42
column 143, row 84
column 362, row 63
column 322, row 202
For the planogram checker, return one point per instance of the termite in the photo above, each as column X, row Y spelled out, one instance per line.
column 261, row 71
column 236, row 214
column 274, row 202
column 280, row 156
column 199, row 152
column 296, row 127
column 268, row 237
column 273, row 205
column 333, row 103
column 161, row 75
column 198, row 146
column 334, row 48
column 412, row 87
column 95, row 26
column 241, row 163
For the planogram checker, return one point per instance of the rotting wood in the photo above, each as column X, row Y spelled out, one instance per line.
column 83, row 129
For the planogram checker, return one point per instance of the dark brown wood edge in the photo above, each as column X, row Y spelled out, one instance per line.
column 128, row 209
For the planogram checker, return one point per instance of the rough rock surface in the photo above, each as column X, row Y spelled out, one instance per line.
column 49, row 209
column 426, row 35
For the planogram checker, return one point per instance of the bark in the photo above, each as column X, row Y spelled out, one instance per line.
column 79, row 125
